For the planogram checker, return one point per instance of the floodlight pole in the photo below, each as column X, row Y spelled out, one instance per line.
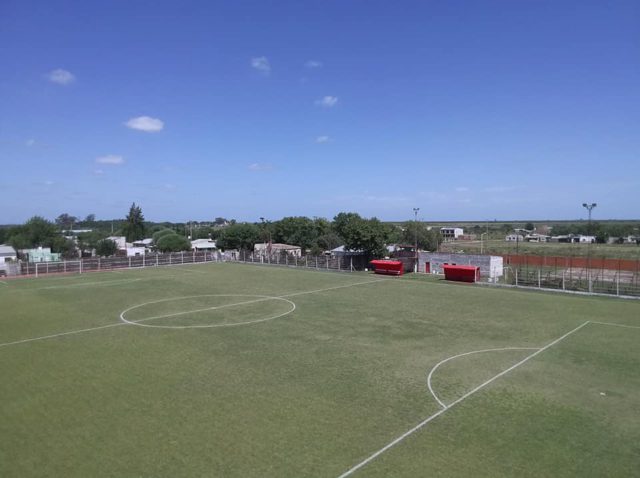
column 415, row 212
column 589, row 207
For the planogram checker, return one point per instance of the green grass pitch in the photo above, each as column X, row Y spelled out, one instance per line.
column 231, row 370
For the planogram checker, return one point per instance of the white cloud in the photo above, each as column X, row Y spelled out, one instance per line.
column 61, row 77
column 145, row 123
column 261, row 64
column 98, row 172
column 462, row 189
column 30, row 142
column 311, row 64
column 110, row 159
column 48, row 182
column 499, row 189
column 323, row 139
column 260, row 167
column 327, row 101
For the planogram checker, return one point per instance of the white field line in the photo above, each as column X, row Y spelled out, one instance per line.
column 617, row 325
column 462, row 398
column 123, row 323
column 442, row 362
column 60, row 334
column 179, row 268
column 84, row 284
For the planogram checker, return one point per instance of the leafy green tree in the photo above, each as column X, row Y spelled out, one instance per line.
column 106, row 247
column 239, row 236
column 368, row 235
column 36, row 232
column 298, row 231
column 173, row 243
column 134, row 227
column 66, row 221
column 161, row 233
column 428, row 239
column 529, row 226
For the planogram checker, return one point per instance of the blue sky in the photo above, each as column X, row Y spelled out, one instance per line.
column 467, row 109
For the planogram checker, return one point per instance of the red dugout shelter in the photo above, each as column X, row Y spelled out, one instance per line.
column 462, row 273
column 395, row 268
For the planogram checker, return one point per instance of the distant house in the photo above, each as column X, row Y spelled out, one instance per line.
column 41, row 254
column 536, row 238
column 341, row 251
column 143, row 243
column 120, row 241
column 514, row 238
column 203, row 245
column 573, row 239
column 586, row 239
column 276, row 248
column 7, row 254
column 451, row 233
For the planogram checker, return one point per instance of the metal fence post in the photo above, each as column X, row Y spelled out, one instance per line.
column 563, row 288
column 618, row 283
column 539, row 285
column 316, row 262
column 143, row 260
column 182, row 257
column 129, row 262
column 516, row 277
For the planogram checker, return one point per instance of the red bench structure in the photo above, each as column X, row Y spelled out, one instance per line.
column 461, row 273
column 395, row 268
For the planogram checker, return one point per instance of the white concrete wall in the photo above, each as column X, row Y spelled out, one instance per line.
column 491, row 267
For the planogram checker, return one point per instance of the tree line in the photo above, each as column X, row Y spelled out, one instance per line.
column 312, row 235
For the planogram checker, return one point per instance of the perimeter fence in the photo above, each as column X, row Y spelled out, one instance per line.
column 595, row 275
column 105, row 264
column 324, row 262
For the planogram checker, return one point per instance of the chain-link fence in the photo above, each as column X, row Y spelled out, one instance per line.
column 594, row 281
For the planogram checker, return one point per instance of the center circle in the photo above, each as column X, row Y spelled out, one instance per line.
column 249, row 299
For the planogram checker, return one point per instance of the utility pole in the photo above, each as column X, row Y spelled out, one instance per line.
column 415, row 212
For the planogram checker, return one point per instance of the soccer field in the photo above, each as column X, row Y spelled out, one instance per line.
column 231, row 370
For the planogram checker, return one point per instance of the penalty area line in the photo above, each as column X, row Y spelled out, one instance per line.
column 616, row 325
column 449, row 407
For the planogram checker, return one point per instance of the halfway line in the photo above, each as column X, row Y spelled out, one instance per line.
column 123, row 323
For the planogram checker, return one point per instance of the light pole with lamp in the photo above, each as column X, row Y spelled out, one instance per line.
column 589, row 207
column 482, row 242
column 415, row 212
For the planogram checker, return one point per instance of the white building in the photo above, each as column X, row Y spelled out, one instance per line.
column 120, row 241
column 203, row 245
column 514, row 238
column 276, row 248
column 586, row 239
column 451, row 233
column 7, row 254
